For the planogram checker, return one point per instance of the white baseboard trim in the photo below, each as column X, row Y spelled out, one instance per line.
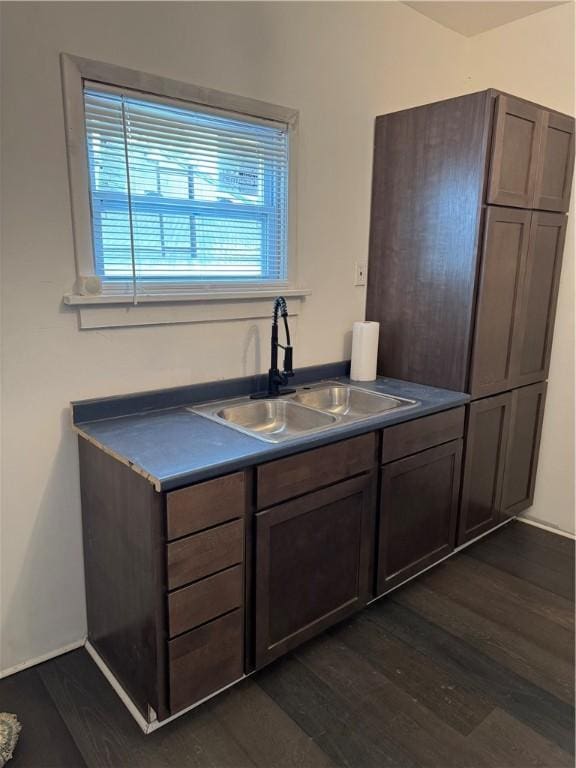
column 40, row 659
column 545, row 527
column 147, row 726
column 126, row 700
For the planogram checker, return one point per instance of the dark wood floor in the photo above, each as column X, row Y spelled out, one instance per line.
column 471, row 665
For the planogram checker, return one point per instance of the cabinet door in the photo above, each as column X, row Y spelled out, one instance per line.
column 515, row 147
column 526, row 415
column 537, row 304
column 484, row 456
column 506, row 233
column 554, row 178
column 418, row 512
column 313, row 559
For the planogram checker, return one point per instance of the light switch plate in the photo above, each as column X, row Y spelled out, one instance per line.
column 361, row 272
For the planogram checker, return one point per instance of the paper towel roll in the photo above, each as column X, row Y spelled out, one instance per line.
column 364, row 351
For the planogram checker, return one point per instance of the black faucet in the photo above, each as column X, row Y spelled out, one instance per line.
column 276, row 378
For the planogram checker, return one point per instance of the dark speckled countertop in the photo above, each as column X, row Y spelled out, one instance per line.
column 173, row 447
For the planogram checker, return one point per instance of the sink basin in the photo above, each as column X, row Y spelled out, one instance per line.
column 309, row 410
column 272, row 420
column 342, row 400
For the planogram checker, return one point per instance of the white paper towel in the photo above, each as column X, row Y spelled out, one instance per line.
column 364, row 351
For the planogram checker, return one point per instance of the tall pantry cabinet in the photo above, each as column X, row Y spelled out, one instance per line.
column 468, row 223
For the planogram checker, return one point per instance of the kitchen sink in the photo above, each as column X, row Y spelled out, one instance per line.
column 272, row 420
column 309, row 410
column 351, row 402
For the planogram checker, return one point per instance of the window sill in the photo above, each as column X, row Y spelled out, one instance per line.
column 164, row 309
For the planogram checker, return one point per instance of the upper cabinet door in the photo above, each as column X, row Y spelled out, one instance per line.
column 554, row 178
column 538, row 299
column 506, row 235
column 515, row 153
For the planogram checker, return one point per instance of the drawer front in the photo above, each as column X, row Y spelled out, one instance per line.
column 418, row 435
column 286, row 478
column 205, row 600
column 205, row 660
column 204, row 553
column 205, row 504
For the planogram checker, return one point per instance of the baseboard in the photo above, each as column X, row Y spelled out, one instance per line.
column 147, row 726
column 40, row 659
column 545, row 527
column 144, row 724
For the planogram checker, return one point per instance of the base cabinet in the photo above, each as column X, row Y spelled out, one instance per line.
column 484, row 456
column 312, row 564
column 526, row 415
column 418, row 512
column 500, row 458
column 212, row 581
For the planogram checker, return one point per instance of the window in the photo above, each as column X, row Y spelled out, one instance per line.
column 181, row 195
column 178, row 192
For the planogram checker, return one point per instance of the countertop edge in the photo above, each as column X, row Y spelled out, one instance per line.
column 272, row 451
column 156, row 482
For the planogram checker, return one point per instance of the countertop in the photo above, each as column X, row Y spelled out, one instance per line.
column 173, row 447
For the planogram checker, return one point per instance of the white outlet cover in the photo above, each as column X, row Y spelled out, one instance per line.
column 361, row 272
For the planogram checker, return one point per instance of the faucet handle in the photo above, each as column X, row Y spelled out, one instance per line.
column 288, row 366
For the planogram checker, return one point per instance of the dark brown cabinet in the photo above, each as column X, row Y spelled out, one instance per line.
column 427, row 196
column 165, row 582
column 463, row 267
column 532, row 156
column 418, row 512
column 526, row 415
column 554, row 180
column 484, row 456
column 313, row 559
column 515, row 152
column 500, row 458
column 506, row 234
column 467, row 231
column 517, row 296
column 538, row 298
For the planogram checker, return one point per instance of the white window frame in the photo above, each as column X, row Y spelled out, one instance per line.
column 234, row 300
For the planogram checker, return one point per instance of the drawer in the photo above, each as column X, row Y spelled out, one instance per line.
column 204, row 553
column 286, row 478
column 418, row 435
column 204, row 600
column 205, row 504
column 205, row 660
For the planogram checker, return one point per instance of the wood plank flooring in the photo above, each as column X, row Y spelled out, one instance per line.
column 469, row 666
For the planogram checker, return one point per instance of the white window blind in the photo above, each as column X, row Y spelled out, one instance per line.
column 183, row 197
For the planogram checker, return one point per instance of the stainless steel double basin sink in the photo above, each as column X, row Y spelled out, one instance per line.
column 309, row 410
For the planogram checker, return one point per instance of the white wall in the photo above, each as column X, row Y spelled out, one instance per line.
column 534, row 58
column 340, row 64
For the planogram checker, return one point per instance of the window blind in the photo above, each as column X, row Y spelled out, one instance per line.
column 183, row 197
